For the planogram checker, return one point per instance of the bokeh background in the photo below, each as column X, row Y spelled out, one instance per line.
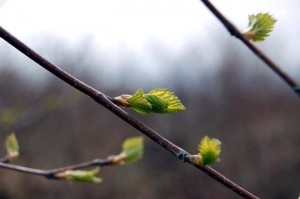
column 118, row 47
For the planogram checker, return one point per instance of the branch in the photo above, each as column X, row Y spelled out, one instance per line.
column 132, row 151
column 52, row 173
column 105, row 101
column 235, row 32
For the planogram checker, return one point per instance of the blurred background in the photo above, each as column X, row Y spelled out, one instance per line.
column 120, row 46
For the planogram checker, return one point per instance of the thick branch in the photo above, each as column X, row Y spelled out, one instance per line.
column 106, row 102
column 234, row 31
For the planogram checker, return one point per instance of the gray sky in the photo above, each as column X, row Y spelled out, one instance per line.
column 130, row 22
column 116, row 26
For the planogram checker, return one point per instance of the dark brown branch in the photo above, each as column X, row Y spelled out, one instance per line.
column 106, row 102
column 51, row 173
column 235, row 32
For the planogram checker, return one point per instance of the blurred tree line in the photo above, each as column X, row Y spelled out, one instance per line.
column 241, row 103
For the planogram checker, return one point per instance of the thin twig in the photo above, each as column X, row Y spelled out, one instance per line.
column 106, row 102
column 235, row 32
column 51, row 173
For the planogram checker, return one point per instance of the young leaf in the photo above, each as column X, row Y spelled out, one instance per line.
column 157, row 104
column 259, row 27
column 164, row 101
column 133, row 149
column 80, row 175
column 139, row 103
column 157, row 101
column 209, row 150
column 12, row 146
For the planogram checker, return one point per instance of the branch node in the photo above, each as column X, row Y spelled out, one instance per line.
column 51, row 175
column 182, row 155
column 231, row 31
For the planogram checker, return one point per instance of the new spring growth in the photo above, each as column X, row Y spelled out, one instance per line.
column 12, row 146
column 209, row 151
column 156, row 101
column 80, row 175
column 133, row 150
column 259, row 27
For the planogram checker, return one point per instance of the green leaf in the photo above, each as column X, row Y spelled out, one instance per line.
column 133, row 149
column 12, row 146
column 157, row 101
column 158, row 105
column 164, row 101
column 139, row 103
column 210, row 150
column 259, row 27
column 80, row 175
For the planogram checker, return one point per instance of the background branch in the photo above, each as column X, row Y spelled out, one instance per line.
column 107, row 103
column 51, row 173
column 235, row 32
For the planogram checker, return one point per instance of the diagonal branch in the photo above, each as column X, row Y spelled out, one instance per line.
column 105, row 101
column 235, row 32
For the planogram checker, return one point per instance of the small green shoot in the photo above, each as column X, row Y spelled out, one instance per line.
column 80, row 175
column 12, row 146
column 259, row 27
column 139, row 103
column 133, row 150
column 209, row 150
column 164, row 101
column 156, row 101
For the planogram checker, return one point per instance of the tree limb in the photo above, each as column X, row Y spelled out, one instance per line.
column 235, row 32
